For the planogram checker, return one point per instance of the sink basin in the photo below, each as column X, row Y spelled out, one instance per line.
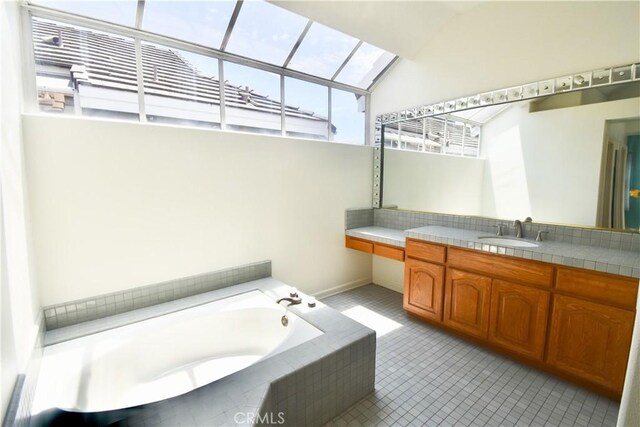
column 505, row 241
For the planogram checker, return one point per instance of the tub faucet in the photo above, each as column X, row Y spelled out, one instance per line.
column 291, row 300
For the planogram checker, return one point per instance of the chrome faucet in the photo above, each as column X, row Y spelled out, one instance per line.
column 292, row 300
column 518, row 226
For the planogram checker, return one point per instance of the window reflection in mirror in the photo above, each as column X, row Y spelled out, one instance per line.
column 545, row 158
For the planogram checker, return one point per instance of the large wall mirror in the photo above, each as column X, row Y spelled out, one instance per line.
column 570, row 158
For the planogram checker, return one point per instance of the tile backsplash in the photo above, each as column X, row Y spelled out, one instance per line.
column 404, row 220
column 83, row 310
column 355, row 218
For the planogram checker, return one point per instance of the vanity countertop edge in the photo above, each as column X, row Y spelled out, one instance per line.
column 614, row 261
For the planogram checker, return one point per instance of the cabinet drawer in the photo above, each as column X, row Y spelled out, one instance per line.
column 387, row 251
column 504, row 267
column 359, row 245
column 426, row 251
column 601, row 287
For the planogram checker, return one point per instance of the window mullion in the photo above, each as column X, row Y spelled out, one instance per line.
column 283, row 121
column 297, row 44
column 140, row 79
column 139, row 14
column 344, row 63
column 222, row 85
column 329, row 134
column 232, row 23
column 367, row 120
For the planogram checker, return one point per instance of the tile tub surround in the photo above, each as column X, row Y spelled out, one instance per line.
column 428, row 377
column 309, row 383
column 101, row 306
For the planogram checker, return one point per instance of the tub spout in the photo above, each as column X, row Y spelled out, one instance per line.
column 291, row 300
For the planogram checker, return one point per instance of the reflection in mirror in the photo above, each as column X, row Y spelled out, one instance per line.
column 569, row 158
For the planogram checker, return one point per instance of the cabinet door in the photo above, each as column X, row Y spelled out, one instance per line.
column 590, row 340
column 518, row 319
column 466, row 302
column 423, row 283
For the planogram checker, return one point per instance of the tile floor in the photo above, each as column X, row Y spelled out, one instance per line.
column 425, row 376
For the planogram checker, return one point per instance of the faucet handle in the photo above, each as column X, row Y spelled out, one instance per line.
column 539, row 235
column 499, row 229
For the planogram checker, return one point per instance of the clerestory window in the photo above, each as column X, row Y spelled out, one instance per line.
column 237, row 65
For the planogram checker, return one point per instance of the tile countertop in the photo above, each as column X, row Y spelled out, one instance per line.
column 624, row 263
column 389, row 236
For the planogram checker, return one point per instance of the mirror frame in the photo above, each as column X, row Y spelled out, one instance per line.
column 569, row 83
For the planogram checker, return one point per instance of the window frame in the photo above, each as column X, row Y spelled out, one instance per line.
column 30, row 11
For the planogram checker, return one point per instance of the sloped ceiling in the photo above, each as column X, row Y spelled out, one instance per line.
column 400, row 27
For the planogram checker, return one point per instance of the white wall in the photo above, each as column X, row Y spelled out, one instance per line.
column 546, row 164
column 117, row 205
column 388, row 273
column 499, row 44
column 432, row 182
column 18, row 301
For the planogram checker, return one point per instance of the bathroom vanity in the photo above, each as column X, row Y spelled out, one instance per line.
column 582, row 318
column 464, row 175
column 526, row 303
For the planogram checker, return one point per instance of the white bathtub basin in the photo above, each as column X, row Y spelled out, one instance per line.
column 505, row 241
column 166, row 356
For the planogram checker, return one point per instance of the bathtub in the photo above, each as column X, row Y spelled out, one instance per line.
column 166, row 356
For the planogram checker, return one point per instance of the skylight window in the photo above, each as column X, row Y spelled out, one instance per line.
column 322, row 52
column 201, row 22
column 121, row 12
column 244, row 65
column 265, row 32
column 364, row 66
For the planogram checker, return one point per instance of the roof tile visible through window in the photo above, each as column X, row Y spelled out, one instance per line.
column 322, row 51
column 265, row 32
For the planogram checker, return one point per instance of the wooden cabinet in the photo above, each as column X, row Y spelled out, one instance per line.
column 467, row 299
column 518, row 320
column 388, row 251
column 574, row 322
column 590, row 340
column 423, row 283
column 599, row 287
column 508, row 268
column 376, row 248
column 358, row 244
column 426, row 251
